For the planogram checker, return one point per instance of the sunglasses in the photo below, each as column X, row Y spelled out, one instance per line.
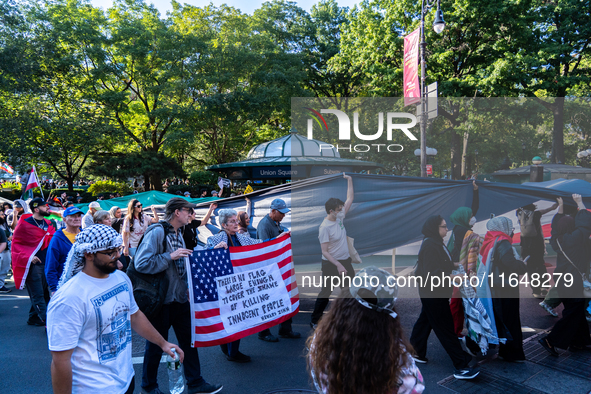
column 138, row 206
column 113, row 254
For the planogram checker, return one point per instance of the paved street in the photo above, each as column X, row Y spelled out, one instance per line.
column 25, row 358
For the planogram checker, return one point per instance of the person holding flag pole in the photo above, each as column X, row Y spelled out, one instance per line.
column 29, row 249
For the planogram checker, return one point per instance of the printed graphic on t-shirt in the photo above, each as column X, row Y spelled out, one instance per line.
column 113, row 324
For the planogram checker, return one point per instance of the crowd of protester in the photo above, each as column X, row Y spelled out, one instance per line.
column 358, row 346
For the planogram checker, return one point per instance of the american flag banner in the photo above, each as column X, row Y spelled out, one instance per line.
column 240, row 291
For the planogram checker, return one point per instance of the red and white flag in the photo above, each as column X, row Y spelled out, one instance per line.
column 241, row 291
column 33, row 182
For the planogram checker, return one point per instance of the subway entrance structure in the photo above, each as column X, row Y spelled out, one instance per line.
column 292, row 157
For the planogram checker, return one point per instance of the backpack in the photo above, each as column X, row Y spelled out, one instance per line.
column 149, row 290
column 527, row 223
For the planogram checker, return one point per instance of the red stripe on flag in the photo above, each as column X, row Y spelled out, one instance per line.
column 209, row 329
column 259, row 258
column 250, row 248
column 207, row 313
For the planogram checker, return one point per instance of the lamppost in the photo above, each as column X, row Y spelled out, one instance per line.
column 523, row 153
column 438, row 26
column 429, row 152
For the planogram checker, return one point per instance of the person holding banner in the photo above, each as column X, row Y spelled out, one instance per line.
column 229, row 236
column 336, row 260
column 154, row 256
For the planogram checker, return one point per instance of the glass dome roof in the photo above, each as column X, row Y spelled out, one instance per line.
column 293, row 145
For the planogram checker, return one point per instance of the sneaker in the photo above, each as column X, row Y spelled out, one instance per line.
column 548, row 309
column 467, row 373
column 206, row 388
column 291, row 334
column 239, row 358
column 5, row 290
column 269, row 338
column 36, row 321
column 549, row 348
column 420, row 360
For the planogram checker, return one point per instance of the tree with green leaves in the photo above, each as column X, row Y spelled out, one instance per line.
column 246, row 81
column 556, row 61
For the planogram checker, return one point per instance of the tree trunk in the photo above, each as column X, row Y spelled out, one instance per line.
column 70, row 184
column 558, row 131
column 146, row 182
column 456, row 155
column 156, row 181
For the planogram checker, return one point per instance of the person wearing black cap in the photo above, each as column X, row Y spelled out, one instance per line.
column 270, row 227
column 154, row 256
column 29, row 249
column 435, row 260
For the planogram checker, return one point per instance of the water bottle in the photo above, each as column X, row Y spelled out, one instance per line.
column 176, row 384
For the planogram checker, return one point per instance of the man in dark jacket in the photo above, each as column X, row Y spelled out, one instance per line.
column 60, row 246
column 151, row 258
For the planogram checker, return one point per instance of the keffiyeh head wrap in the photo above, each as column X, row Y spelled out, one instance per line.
column 90, row 240
column 500, row 223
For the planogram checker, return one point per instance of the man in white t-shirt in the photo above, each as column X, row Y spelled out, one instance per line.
column 335, row 251
column 90, row 319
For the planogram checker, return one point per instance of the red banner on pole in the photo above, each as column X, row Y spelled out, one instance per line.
column 429, row 169
column 411, row 85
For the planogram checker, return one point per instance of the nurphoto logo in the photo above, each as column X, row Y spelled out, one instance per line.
column 392, row 125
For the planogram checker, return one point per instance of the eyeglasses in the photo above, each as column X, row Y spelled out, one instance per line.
column 232, row 222
column 113, row 254
column 445, row 227
column 189, row 210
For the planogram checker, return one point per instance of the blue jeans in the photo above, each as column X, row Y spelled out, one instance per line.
column 4, row 266
column 38, row 291
column 179, row 317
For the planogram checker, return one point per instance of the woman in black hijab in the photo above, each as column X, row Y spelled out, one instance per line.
column 435, row 260
column 570, row 240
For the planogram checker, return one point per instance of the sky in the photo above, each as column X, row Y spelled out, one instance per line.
column 247, row 6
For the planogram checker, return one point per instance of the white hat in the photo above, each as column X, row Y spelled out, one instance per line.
column 94, row 205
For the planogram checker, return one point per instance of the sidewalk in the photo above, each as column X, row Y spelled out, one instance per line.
column 541, row 373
